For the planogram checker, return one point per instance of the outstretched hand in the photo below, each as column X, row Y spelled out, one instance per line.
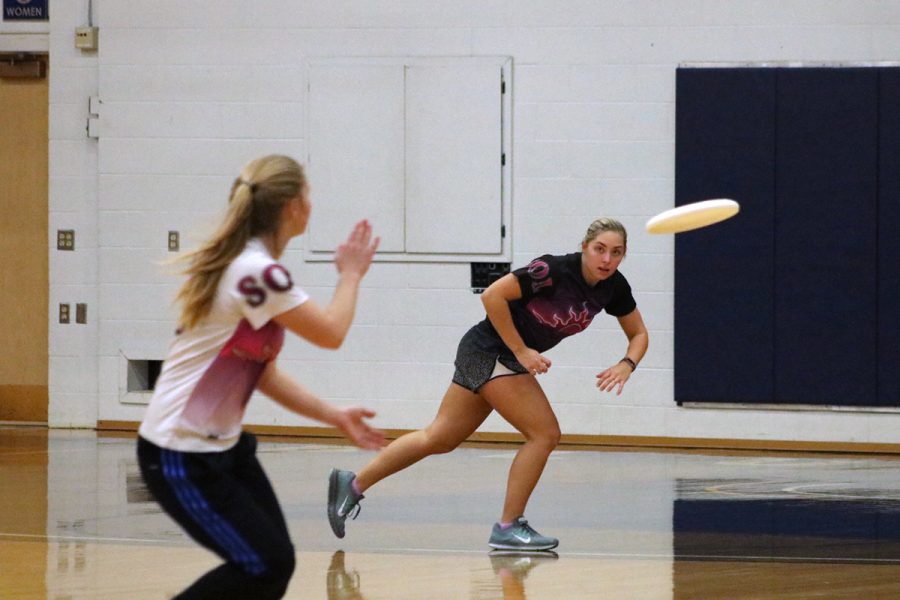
column 358, row 431
column 614, row 377
column 355, row 255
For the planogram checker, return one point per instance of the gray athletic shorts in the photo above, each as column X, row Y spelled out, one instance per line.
column 475, row 366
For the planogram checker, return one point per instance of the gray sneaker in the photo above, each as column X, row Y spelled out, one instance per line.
column 341, row 499
column 520, row 536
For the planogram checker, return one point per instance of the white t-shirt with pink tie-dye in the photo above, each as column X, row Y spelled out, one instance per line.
column 212, row 369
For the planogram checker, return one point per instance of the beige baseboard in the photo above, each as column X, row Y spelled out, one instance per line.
column 574, row 441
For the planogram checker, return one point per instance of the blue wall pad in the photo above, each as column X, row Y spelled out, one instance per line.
column 825, row 236
column 725, row 140
column 796, row 300
column 889, row 239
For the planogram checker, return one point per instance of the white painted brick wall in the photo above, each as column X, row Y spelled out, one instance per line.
column 72, row 200
column 190, row 95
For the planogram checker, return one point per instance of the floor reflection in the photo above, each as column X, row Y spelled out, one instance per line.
column 78, row 523
column 783, row 538
column 785, row 530
column 505, row 579
column 341, row 584
column 765, row 520
column 511, row 569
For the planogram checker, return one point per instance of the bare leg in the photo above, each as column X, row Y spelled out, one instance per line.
column 520, row 400
column 460, row 414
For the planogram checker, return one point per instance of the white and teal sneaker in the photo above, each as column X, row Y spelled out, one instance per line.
column 520, row 536
column 341, row 499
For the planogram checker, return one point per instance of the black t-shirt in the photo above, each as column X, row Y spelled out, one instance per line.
column 557, row 302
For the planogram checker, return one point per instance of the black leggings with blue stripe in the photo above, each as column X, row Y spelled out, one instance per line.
column 225, row 502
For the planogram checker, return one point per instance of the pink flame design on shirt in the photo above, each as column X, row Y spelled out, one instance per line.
column 572, row 323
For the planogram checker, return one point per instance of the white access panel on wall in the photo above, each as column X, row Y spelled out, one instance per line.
column 356, row 152
column 453, row 159
column 420, row 147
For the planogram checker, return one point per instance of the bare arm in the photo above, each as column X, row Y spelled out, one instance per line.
column 496, row 299
column 327, row 327
column 287, row 392
column 614, row 377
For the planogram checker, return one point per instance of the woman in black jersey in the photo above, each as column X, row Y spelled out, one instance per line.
column 498, row 360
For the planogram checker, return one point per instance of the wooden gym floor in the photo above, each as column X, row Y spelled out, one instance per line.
column 76, row 523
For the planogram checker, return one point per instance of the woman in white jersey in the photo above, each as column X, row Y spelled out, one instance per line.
column 235, row 305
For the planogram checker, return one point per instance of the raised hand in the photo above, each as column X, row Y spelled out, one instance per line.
column 355, row 255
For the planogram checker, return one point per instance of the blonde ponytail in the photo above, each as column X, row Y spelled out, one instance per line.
column 254, row 208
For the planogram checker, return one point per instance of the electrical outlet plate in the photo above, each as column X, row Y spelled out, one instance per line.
column 65, row 239
column 174, row 242
column 64, row 313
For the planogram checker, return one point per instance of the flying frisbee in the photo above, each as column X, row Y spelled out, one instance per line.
column 693, row 216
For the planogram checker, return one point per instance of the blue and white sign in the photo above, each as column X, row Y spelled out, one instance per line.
column 26, row 10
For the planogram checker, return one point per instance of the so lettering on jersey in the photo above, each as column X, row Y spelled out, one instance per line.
column 275, row 278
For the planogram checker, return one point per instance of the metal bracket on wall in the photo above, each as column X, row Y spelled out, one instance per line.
column 93, row 122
